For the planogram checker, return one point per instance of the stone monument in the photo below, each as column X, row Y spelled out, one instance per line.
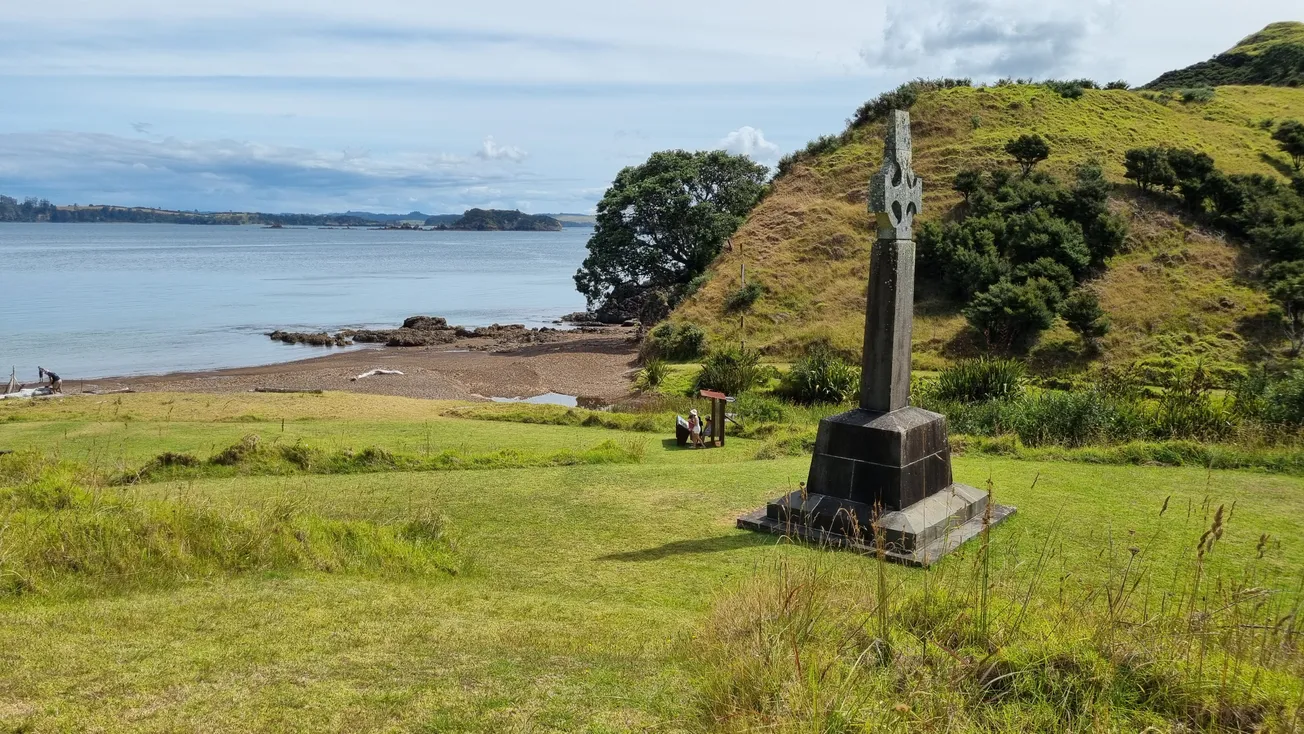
column 885, row 466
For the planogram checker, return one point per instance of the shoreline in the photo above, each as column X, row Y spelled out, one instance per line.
column 587, row 364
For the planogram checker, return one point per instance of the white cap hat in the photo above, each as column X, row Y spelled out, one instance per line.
column 693, row 411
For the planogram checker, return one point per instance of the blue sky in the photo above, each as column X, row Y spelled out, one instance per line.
column 394, row 105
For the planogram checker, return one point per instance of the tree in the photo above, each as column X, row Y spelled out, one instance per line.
column 1028, row 151
column 1009, row 316
column 968, row 181
column 660, row 224
column 1083, row 314
column 1290, row 138
column 1149, row 168
column 1286, row 289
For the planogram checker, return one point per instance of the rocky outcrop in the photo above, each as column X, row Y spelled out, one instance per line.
column 427, row 331
column 319, row 339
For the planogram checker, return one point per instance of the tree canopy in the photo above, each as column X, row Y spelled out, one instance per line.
column 1028, row 151
column 661, row 223
column 1290, row 138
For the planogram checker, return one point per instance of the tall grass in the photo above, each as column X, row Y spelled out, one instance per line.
column 1165, row 628
column 60, row 533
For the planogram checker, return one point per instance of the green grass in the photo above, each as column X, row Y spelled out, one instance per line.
column 587, row 592
column 1178, row 293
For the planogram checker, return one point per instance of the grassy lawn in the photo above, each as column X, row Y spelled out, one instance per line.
column 585, row 587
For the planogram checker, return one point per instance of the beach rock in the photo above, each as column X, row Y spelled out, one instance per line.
column 426, row 323
column 579, row 317
column 319, row 339
column 419, row 338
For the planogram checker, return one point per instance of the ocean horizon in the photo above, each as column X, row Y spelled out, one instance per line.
column 104, row 300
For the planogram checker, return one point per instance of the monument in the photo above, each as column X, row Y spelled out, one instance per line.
column 885, row 467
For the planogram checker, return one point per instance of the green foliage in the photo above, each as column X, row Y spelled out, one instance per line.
column 652, row 375
column 1149, row 168
column 1083, row 314
column 661, row 223
column 1118, row 85
column 981, row 380
column 1010, row 316
column 1196, row 94
column 1072, row 89
column 1028, row 151
column 1286, row 289
column 731, row 371
column 675, row 341
column 968, row 181
column 490, row 220
column 743, row 297
column 901, row 98
column 1290, row 138
column 821, row 376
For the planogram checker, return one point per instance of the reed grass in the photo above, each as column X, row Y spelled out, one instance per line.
column 1202, row 643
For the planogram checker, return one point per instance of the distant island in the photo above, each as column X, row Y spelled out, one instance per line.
column 41, row 210
column 499, row 220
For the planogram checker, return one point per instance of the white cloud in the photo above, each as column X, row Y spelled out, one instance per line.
column 750, row 142
column 492, row 151
column 991, row 38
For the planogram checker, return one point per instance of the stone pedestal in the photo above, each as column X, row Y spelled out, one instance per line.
column 895, row 467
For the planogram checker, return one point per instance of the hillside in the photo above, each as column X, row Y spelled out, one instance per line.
column 1178, row 293
column 1273, row 56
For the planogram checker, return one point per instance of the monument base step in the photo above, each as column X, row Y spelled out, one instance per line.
column 918, row 535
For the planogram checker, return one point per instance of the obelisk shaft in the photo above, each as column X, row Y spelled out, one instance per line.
column 895, row 197
column 885, row 369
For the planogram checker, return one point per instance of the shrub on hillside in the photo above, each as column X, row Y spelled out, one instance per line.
column 670, row 340
column 1028, row 151
column 901, row 98
column 652, row 375
column 1197, row 94
column 1083, row 314
column 1010, row 316
column 821, row 376
column 731, row 371
column 981, row 380
column 743, row 297
column 1118, row 84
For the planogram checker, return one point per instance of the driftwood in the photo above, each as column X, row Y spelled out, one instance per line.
column 287, row 390
column 372, row 373
column 96, row 391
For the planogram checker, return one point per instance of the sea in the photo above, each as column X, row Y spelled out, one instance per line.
column 97, row 300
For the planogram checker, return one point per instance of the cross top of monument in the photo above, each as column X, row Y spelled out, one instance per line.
column 896, row 194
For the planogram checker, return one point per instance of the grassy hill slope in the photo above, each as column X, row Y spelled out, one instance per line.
column 1274, row 55
column 1177, row 293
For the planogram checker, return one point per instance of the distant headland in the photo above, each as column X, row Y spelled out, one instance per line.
column 41, row 210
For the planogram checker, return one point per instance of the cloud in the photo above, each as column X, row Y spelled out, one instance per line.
column 990, row 38
column 144, row 128
column 230, row 174
column 750, row 142
column 492, row 151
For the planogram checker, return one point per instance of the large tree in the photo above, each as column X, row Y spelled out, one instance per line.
column 1028, row 151
column 662, row 223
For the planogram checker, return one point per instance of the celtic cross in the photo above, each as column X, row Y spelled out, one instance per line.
column 896, row 196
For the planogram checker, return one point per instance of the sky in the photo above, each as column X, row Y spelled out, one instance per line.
column 400, row 105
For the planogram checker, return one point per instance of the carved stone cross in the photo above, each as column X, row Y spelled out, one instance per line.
column 895, row 198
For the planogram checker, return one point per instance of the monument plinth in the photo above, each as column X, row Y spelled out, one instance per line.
column 885, row 466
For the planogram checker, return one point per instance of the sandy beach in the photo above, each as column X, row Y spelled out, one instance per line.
column 584, row 364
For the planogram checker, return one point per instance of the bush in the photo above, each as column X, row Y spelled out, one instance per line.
column 761, row 409
column 1067, row 419
column 1197, row 94
column 1028, row 151
column 981, row 380
column 731, row 371
column 1118, row 84
column 1010, row 316
column 1067, row 89
column 901, row 98
column 821, row 377
column 670, row 340
column 652, row 375
column 743, row 297
column 1083, row 314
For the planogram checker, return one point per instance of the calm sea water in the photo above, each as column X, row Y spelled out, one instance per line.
column 96, row 300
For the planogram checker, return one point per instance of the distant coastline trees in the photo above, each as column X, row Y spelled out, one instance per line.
column 660, row 225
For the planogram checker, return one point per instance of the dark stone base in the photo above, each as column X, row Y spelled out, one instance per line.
column 889, row 460
column 919, row 535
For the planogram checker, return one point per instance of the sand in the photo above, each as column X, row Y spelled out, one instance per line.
column 588, row 365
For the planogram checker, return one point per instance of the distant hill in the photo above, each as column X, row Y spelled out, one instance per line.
column 1274, row 56
column 34, row 210
column 1178, row 293
column 575, row 220
column 488, row 220
column 386, row 218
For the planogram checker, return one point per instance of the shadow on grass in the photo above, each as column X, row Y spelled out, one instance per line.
column 732, row 541
column 1282, row 167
